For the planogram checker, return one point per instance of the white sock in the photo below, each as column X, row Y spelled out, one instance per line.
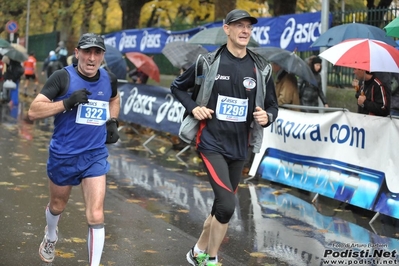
column 197, row 250
column 95, row 243
column 52, row 222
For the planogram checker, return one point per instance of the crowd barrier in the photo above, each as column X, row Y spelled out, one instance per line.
column 338, row 154
column 341, row 155
column 293, row 32
column 153, row 107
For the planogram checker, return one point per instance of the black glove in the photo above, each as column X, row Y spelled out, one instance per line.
column 112, row 131
column 76, row 98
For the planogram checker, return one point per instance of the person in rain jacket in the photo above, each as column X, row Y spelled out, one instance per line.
column 51, row 64
column 309, row 94
column 235, row 101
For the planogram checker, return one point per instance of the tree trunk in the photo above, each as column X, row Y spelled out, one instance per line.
column 64, row 24
column 131, row 13
column 222, row 7
column 103, row 21
column 283, row 7
column 88, row 7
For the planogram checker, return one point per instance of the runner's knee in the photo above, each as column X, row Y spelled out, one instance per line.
column 225, row 210
column 95, row 216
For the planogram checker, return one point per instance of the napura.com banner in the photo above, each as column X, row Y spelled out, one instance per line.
column 342, row 155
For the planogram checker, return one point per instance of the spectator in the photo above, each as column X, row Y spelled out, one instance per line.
column 14, row 72
column 62, row 53
column 1, row 77
column 395, row 94
column 373, row 96
column 30, row 73
column 309, row 94
column 46, row 62
column 286, row 86
column 53, row 65
column 138, row 76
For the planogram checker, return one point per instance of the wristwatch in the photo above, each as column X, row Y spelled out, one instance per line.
column 270, row 117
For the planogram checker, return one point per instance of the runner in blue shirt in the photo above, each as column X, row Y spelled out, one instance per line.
column 85, row 103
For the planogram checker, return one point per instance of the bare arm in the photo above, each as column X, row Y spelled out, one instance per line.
column 43, row 107
column 115, row 106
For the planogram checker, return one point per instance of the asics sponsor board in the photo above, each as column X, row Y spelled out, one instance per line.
column 150, row 106
column 290, row 32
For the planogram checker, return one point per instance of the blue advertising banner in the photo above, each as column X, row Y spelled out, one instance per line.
column 338, row 180
column 290, row 32
column 150, row 106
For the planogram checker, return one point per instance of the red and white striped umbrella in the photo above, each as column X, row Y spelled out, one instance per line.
column 365, row 54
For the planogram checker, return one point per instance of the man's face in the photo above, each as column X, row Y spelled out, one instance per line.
column 275, row 67
column 89, row 60
column 239, row 32
column 359, row 74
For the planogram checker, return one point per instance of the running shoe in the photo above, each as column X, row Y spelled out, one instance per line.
column 196, row 259
column 47, row 248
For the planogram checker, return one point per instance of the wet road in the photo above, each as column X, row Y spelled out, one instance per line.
column 156, row 204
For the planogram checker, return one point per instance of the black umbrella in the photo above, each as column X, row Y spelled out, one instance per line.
column 4, row 43
column 14, row 54
column 287, row 60
column 182, row 54
column 115, row 61
column 347, row 31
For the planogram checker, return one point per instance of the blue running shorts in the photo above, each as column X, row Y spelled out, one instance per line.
column 71, row 171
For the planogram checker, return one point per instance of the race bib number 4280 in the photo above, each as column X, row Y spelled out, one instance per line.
column 93, row 113
column 231, row 109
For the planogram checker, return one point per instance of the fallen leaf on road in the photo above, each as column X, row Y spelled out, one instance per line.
column 66, row 255
column 6, row 184
column 153, row 199
column 78, row 240
column 17, row 173
column 159, row 216
column 257, row 255
column 133, row 201
column 150, row 251
column 15, row 188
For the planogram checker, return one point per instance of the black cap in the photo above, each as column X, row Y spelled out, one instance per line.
column 89, row 40
column 238, row 14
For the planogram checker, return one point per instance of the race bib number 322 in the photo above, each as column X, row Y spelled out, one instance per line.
column 93, row 113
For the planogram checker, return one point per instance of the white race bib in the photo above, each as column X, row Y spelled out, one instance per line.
column 231, row 109
column 94, row 113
